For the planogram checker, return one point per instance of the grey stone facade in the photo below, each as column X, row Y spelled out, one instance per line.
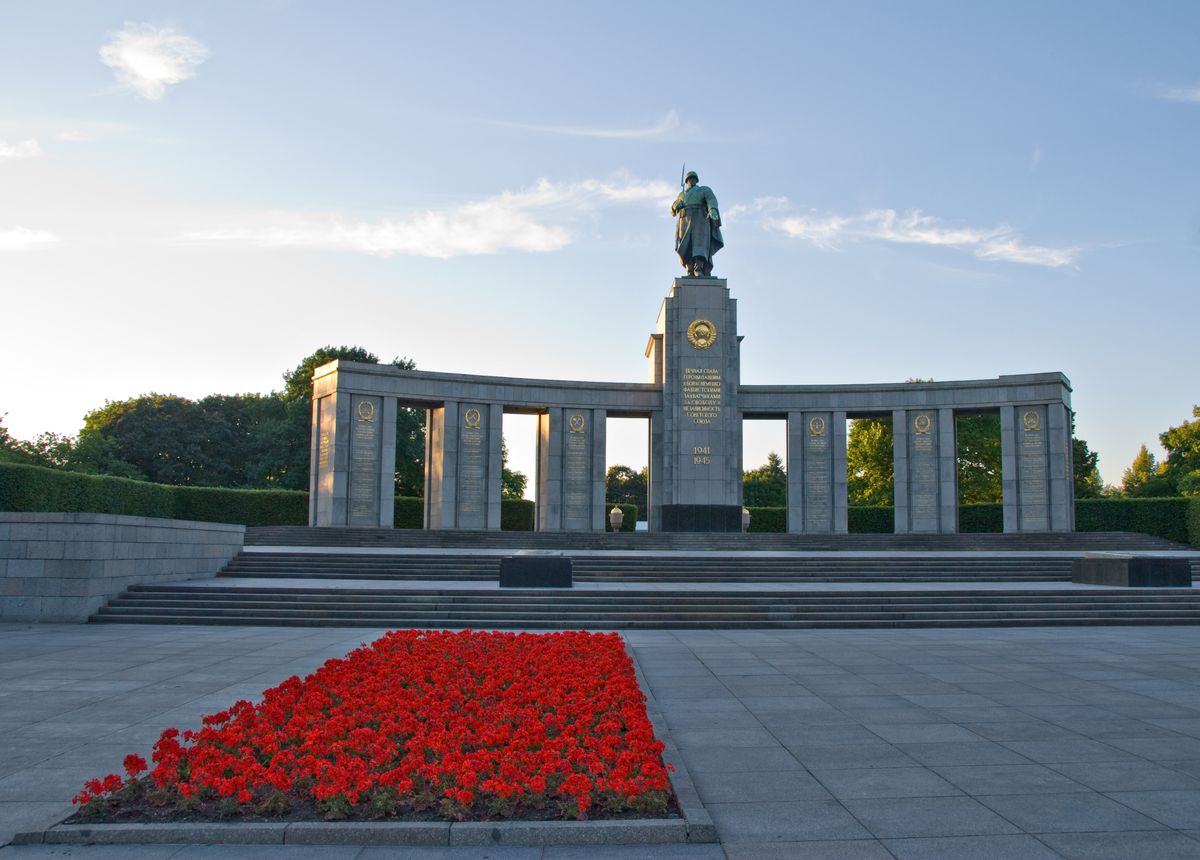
column 701, row 463
column 695, row 403
column 64, row 567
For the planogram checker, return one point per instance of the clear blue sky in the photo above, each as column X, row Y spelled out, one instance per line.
column 194, row 196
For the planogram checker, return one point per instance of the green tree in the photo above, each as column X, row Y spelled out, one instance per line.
column 624, row 486
column 512, row 484
column 1182, row 466
column 253, row 423
column 1145, row 477
column 1086, row 466
column 869, row 458
column 978, row 442
column 9, row 452
column 766, row 486
column 169, row 439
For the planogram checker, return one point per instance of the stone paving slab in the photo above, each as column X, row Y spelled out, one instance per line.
column 881, row 748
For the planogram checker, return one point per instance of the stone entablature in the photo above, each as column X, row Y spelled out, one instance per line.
column 695, row 404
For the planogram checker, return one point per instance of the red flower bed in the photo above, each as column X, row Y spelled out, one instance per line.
column 461, row 725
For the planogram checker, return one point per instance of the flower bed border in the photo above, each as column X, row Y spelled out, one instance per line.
column 694, row 826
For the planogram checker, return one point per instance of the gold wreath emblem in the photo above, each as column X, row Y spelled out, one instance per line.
column 575, row 423
column 1031, row 420
column 366, row 410
column 922, row 423
column 816, row 425
column 702, row 334
column 471, row 417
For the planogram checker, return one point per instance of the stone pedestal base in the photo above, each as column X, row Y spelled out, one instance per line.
column 533, row 571
column 1132, row 571
column 702, row 518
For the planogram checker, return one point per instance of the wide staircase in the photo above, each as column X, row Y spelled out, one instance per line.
column 395, row 578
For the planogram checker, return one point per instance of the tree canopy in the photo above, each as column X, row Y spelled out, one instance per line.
column 624, row 486
column 1182, row 466
column 869, row 478
column 978, row 440
column 222, row 440
column 1145, row 477
column 766, row 486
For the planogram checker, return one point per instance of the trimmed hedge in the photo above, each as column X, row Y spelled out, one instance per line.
column 979, row 518
column 871, row 520
column 1193, row 522
column 247, row 507
column 1166, row 518
column 35, row 488
column 768, row 519
column 409, row 513
column 516, row 515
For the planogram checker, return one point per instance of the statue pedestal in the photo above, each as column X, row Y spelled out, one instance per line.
column 696, row 468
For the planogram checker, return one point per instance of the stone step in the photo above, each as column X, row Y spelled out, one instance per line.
column 305, row 536
column 399, row 622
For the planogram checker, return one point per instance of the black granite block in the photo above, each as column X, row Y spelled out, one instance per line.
column 1134, row 571
column 702, row 518
column 536, row 571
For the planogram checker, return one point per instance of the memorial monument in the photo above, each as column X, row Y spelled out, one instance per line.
column 696, row 403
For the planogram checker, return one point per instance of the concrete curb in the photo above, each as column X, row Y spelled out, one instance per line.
column 644, row 831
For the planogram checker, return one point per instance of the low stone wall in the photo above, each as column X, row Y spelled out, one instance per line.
column 64, row 567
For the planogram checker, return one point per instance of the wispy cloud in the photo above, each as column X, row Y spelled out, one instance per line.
column 531, row 220
column 24, row 239
column 758, row 206
column 24, row 149
column 1001, row 242
column 1180, row 94
column 668, row 126
column 147, row 58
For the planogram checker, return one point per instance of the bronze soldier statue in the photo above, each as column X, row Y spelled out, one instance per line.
column 698, row 232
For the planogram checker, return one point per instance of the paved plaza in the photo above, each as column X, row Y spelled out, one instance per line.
column 953, row 743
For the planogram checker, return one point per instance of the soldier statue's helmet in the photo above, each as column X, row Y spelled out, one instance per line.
column 691, row 174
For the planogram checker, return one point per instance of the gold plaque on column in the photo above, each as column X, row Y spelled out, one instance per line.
column 1031, row 420
column 575, row 423
column 471, row 417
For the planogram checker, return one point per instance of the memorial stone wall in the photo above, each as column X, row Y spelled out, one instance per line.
column 695, row 404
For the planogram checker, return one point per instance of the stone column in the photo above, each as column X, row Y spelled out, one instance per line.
column 900, row 471
column 549, row 470
column 352, row 472
column 919, row 459
column 463, row 466
column 571, row 469
column 441, row 466
column 841, row 512
column 702, row 443
column 599, row 461
column 947, row 471
column 813, row 474
column 1035, row 445
column 330, row 459
column 1062, row 468
column 656, row 477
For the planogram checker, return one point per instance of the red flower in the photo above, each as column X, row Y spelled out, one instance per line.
column 500, row 721
column 134, row 764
